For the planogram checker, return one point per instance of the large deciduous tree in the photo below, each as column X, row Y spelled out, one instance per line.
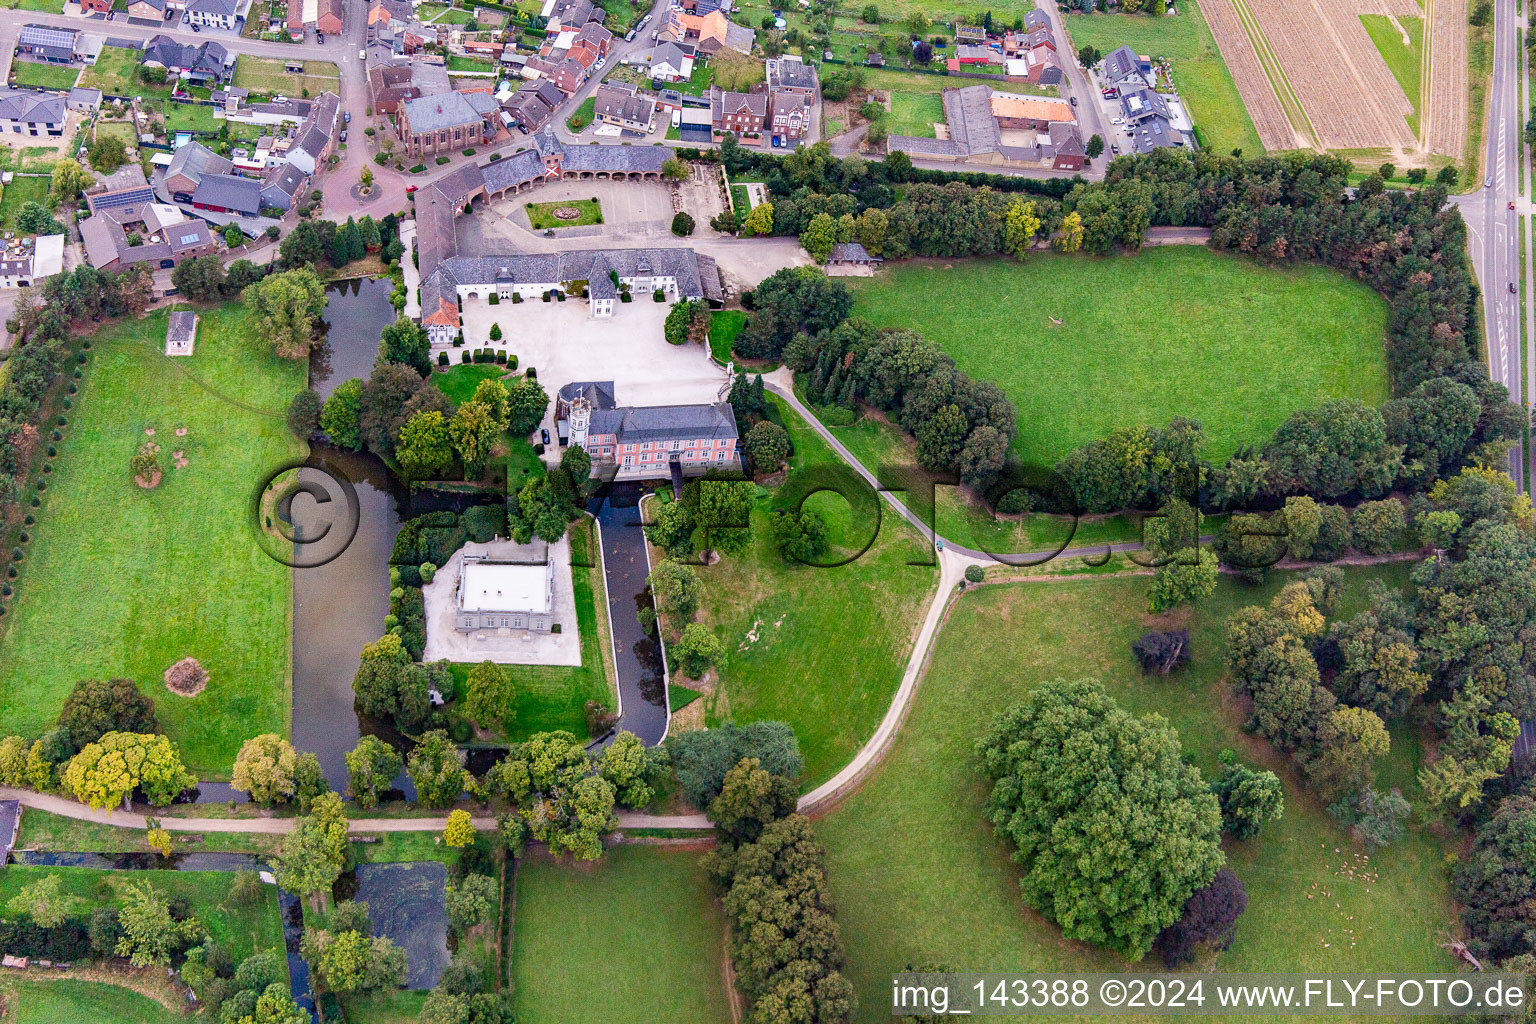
column 264, row 768
column 371, row 768
column 1069, row 767
column 105, row 772
column 96, row 707
column 287, row 306
column 314, row 854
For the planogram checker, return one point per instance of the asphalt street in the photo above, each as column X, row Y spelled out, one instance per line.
column 1492, row 216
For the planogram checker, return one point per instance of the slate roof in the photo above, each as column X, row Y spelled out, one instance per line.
column 626, row 104
column 849, row 252
column 461, row 182
column 615, row 158
column 598, row 392
column 28, row 106
column 229, row 192
column 178, row 333
column 226, row 8
column 509, row 172
column 195, row 160
column 315, row 133
column 434, row 113
column 639, row 424
column 89, row 97
column 285, row 177
column 210, row 57
column 577, row 265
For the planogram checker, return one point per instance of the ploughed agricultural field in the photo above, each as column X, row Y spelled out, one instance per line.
column 1171, row 331
column 123, row 581
column 918, row 873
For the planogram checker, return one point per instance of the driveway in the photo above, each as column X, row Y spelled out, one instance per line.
column 565, row 345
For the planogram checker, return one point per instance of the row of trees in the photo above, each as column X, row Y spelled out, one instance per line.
column 312, row 242
column 961, row 425
column 1342, row 449
column 771, row 873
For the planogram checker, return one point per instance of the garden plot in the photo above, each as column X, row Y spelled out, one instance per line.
column 405, row 903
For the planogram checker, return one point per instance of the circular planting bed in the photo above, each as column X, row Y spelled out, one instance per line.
column 566, row 213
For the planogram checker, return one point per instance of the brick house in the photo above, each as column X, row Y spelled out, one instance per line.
column 429, row 125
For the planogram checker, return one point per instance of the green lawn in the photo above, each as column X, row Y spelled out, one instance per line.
column 241, row 930
column 1170, row 331
column 460, row 381
column 121, row 130
column 1406, row 62
column 635, row 936
column 698, row 83
column 69, row 1001
column 914, row 113
column 820, row 648
column 724, row 325
column 460, row 63
column 190, row 117
column 917, row 872
column 582, row 115
column 963, row 519
column 1198, row 70
column 172, row 572
column 394, row 1007
column 269, row 75
column 113, row 72
column 43, row 831
column 23, row 189
column 551, row 697
column 44, row 76
column 542, row 215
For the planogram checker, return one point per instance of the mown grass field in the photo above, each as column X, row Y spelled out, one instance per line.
column 1170, row 331
column 460, row 381
column 23, row 189
column 917, row 871
column 70, row 1001
column 113, row 72
column 1405, row 61
column 551, row 697
column 242, row 930
column 269, row 75
column 44, row 76
column 820, row 648
column 1201, row 75
column 635, row 936
column 41, row 830
column 121, row 581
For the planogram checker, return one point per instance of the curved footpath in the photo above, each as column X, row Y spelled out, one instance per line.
column 952, row 559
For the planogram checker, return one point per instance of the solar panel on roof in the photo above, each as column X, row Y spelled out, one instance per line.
column 35, row 35
column 128, row 198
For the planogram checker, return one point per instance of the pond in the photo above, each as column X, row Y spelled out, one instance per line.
column 340, row 605
column 406, row 904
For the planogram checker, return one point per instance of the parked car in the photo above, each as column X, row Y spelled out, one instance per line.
column 411, row 188
column 319, row 36
column 1117, row 120
column 1114, row 149
column 347, row 117
column 197, row 28
column 343, row 135
column 544, row 434
column 362, row 54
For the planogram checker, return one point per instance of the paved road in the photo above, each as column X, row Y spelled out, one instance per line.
column 1493, row 226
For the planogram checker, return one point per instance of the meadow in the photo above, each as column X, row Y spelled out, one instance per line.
column 1169, row 331
column 123, row 581
column 635, row 936
column 917, row 872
